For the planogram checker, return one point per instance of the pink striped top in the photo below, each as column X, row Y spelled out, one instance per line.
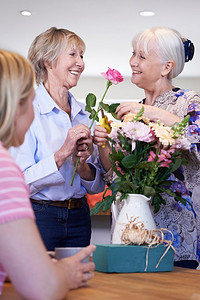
column 14, row 195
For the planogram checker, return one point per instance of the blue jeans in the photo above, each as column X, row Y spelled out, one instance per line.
column 191, row 264
column 63, row 227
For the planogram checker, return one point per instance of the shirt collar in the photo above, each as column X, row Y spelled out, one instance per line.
column 47, row 104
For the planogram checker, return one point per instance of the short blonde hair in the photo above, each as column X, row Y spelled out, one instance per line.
column 16, row 83
column 47, row 46
column 168, row 44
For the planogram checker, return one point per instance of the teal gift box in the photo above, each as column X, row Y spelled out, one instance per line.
column 112, row 258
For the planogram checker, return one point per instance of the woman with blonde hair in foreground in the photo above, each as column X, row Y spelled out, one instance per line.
column 23, row 256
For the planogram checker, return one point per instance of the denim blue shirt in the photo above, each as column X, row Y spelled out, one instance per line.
column 45, row 136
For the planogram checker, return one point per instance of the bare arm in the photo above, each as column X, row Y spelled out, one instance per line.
column 151, row 112
column 33, row 273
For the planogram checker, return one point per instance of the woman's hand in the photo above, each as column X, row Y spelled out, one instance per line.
column 128, row 107
column 151, row 112
column 77, row 272
column 83, row 150
column 76, row 133
column 100, row 136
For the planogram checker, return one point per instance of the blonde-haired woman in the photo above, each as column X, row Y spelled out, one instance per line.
column 58, row 134
column 22, row 252
column 159, row 55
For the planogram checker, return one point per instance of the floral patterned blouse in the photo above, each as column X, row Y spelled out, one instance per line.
column 183, row 221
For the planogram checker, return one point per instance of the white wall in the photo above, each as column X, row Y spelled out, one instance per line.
column 101, row 229
column 124, row 90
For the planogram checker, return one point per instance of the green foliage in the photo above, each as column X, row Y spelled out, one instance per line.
column 90, row 102
column 137, row 174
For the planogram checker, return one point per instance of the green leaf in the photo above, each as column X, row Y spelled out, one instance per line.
column 145, row 165
column 183, row 200
column 107, row 202
column 88, row 108
column 130, row 161
column 157, row 201
column 149, row 191
column 114, row 116
column 139, row 114
column 91, row 100
column 176, row 164
column 113, row 107
column 105, row 106
column 94, row 115
column 97, row 208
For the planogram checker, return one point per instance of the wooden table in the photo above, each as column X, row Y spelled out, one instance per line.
column 180, row 284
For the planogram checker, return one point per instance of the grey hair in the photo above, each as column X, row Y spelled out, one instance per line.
column 47, row 46
column 16, row 83
column 168, row 44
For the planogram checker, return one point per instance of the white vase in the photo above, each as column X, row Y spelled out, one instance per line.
column 135, row 206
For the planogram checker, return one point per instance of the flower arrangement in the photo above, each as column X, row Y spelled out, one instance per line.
column 143, row 156
column 113, row 77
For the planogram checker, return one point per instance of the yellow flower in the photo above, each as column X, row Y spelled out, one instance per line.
column 131, row 116
column 117, row 124
column 105, row 123
column 164, row 133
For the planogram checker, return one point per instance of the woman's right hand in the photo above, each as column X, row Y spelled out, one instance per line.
column 77, row 272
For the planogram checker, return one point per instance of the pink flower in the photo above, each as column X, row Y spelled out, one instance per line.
column 114, row 134
column 165, row 164
column 118, row 168
column 138, row 131
column 152, row 156
column 164, row 158
column 113, row 76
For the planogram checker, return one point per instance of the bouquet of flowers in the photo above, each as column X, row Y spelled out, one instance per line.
column 143, row 156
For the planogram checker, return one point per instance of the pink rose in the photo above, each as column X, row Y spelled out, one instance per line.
column 113, row 76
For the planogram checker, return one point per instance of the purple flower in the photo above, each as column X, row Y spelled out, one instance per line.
column 194, row 130
column 191, row 107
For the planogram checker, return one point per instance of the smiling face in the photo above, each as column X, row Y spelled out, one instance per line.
column 147, row 68
column 66, row 71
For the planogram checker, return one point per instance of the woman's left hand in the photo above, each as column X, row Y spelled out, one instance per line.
column 84, row 149
column 153, row 113
column 128, row 107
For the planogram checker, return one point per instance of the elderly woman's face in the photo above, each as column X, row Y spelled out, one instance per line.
column 146, row 68
column 68, row 68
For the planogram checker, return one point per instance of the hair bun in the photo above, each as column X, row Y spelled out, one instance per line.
column 189, row 50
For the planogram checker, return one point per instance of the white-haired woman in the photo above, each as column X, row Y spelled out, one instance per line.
column 159, row 55
column 23, row 254
column 58, row 134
